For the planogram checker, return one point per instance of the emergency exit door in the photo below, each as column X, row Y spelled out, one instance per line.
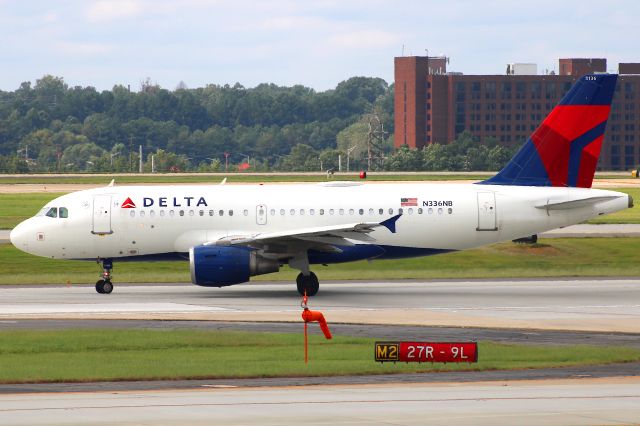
column 487, row 216
column 261, row 214
column 102, row 214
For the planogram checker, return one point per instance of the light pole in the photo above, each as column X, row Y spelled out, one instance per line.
column 349, row 151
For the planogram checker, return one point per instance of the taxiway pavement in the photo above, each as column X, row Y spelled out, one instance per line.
column 578, row 401
column 599, row 305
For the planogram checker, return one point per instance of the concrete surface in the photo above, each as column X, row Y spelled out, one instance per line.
column 610, row 305
column 558, row 402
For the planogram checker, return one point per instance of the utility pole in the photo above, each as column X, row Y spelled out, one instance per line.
column 140, row 162
column 153, row 164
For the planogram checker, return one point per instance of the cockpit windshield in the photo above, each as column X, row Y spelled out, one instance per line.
column 55, row 212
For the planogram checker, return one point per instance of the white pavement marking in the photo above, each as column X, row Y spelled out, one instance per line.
column 104, row 308
column 556, row 402
column 581, row 304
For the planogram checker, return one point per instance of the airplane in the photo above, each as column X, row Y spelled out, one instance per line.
column 229, row 233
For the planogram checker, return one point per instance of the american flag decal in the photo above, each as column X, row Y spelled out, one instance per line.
column 408, row 202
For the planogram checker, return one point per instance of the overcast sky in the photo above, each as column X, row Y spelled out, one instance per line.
column 314, row 43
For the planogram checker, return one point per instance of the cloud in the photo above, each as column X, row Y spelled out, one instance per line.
column 108, row 10
column 363, row 39
column 72, row 48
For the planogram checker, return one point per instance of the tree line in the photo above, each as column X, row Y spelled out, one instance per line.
column 51, row 127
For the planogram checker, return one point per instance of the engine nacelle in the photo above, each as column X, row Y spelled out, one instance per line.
column 220, row 266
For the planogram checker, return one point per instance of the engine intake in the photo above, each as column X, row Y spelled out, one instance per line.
column 220, row 266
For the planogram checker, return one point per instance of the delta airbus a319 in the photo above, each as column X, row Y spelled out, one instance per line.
column 229, row 233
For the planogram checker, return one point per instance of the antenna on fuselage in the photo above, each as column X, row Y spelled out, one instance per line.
column 112, row 183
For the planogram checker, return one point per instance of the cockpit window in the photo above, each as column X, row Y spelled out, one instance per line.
column 64, row 213
column 53, row 212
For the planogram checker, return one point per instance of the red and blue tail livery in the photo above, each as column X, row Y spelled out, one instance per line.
column 564, row 150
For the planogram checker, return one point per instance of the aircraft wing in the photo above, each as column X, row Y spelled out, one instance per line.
column 323, row 238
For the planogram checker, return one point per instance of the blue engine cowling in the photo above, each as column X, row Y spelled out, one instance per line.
column 219, row 266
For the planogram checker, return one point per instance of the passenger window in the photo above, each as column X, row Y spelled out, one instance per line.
column 400, row 211
column 132, row 213
column 230, row 212
column 152, row 213
column 430, row 210
column 181, row 212
column 191, row 213
column 350, row 211
column 141, row 213
column 361, row 212
column 221, row 212
column 321, row 212
column 64, row 213
column 161, row 213
column 331, row 212
column 312, row 212
column 410, row 211
column 211, row 213
column 245, row 212
column 281, row 212
column 272, row 212
column 201, row 212
column 390, row 211
column 341, row 212
column 292, row 212
column 380, row 211
column 440, row 210
column 301, row 212
column 53, row 212
column 171, row 213
column 420, row 210
column 370, row 212
column 450, row 210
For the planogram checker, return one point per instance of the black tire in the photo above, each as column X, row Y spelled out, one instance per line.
column 100, row 286
column 107, row 288
column 308, row 283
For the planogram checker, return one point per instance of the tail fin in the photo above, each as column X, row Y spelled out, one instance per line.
column 564, row 150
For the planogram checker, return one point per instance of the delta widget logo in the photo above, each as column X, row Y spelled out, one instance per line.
column 128, row 204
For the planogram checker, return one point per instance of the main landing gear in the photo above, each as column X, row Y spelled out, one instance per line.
column 103, row 285
column 308, row 284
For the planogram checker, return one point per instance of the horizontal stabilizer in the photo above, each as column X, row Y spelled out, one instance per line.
column 574, row 204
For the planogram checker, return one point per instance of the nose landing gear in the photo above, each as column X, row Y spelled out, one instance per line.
column 103, row 285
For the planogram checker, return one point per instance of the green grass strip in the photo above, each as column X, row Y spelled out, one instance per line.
column 113, row 354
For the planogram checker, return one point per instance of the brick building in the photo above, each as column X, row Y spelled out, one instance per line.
column 435, row 106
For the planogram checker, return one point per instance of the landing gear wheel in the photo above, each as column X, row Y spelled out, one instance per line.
column 100, row 286
column 104, row 285
column 308, row 283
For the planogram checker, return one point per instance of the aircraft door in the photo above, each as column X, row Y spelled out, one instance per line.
column 261, row 214
column 487, row 217
column 102, row 214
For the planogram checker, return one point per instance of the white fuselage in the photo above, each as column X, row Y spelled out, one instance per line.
column 172, row 219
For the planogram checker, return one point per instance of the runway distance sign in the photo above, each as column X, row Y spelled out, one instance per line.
column 426, row 352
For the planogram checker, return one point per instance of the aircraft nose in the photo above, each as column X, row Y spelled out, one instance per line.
column 19, row 237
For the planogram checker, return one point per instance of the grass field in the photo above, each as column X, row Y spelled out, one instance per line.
column 557, row 257
column 233, row 177
column 95, row 355
column 14, row 208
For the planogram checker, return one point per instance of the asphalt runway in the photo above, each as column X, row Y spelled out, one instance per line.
column 558, row 402
column 598, row 305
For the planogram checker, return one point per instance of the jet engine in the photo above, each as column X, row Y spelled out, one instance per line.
column 220, row 266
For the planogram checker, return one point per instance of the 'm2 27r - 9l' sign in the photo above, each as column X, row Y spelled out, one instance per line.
column 426, row 352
